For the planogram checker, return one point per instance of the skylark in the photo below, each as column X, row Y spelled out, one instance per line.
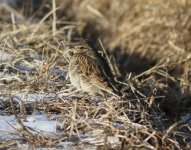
column 87, row 72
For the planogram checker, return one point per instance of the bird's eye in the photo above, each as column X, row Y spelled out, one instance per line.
column 81, row 47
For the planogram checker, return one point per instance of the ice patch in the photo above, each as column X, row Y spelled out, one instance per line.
column 31, row 97
column 9, row 124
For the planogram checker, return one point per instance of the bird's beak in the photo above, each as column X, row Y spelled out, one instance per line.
column 67, row 50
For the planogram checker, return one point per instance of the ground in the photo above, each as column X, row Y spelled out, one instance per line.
column 146, row 45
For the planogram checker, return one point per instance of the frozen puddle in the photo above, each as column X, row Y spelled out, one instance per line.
column 9, row 130
column 31, row 97
column 35, row 96
column 40, row 123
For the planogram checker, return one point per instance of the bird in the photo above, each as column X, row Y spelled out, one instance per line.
column 87, row 72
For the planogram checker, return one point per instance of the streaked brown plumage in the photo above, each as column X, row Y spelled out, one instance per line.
column 87, row 72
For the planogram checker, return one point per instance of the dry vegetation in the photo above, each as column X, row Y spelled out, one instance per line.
column 149, row 41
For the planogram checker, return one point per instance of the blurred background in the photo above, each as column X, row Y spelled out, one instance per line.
column 143, row 31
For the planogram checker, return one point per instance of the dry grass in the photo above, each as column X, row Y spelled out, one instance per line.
column 149, row 38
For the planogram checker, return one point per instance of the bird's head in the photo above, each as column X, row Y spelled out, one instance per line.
column 81, row 47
